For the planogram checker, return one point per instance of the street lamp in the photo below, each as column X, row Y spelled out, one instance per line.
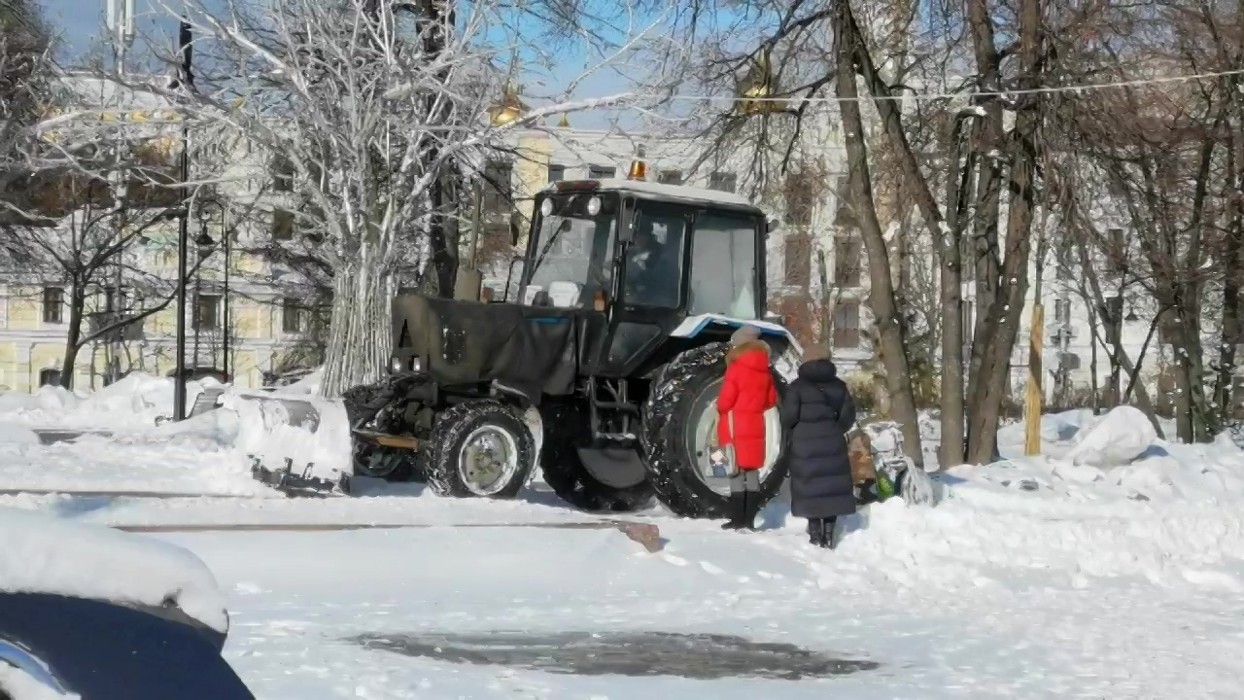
column 205, row 244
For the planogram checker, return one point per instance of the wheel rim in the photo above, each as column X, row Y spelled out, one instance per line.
column 380, row 462
column 702, row 439
column 488, row 460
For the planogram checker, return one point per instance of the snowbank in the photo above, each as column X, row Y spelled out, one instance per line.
column 133, row 402
column 14, row 434
column 1119, row 437
column 50, row 555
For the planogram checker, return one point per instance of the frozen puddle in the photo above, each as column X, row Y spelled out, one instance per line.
column 695, row 656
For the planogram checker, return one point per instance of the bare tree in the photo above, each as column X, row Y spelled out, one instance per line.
column 379, row 108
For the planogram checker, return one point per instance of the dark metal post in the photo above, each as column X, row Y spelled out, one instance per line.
column 224, row 232
column 183, row 232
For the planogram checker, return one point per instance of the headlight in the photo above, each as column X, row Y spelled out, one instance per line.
column 396, row 365
column 416, row 364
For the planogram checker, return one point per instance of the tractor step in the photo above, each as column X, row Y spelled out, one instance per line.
column 294, row 484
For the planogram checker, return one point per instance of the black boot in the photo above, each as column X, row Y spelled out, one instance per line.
column 735, row 509
column 816, row 529
column 751, row 506
column 827, row 532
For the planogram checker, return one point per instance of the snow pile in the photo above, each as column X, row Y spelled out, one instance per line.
column 13, row 434
column 19, row 685
column 47, row 555
column 133, row 402
column 274, row 426
column 49, row 399
column 1121, row 436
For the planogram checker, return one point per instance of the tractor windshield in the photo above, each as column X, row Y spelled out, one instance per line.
column 571, row 254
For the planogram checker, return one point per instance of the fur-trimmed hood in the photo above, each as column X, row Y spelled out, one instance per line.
column 748, row 346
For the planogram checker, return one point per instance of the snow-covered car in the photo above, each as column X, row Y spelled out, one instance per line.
column 91, row 612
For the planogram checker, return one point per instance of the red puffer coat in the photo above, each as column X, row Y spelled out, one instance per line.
column 747, row 392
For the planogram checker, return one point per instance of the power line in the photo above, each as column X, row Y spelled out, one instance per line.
column 959, row 95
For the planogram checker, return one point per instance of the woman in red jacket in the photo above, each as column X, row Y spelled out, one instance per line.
column 747, row 392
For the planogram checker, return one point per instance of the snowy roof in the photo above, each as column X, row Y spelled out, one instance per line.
column 655, row 189
column 43, row 554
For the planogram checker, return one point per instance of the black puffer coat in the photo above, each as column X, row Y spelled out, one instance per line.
column 817, row 411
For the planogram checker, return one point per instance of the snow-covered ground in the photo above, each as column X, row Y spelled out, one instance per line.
column 1032, row 578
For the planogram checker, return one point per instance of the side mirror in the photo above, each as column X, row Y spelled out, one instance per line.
column 772, row 223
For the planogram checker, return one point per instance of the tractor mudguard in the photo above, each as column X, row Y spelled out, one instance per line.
column 618, row 467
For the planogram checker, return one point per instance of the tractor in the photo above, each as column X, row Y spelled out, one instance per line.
column 600, row 361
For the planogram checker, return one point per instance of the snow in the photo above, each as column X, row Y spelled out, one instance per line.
column 657, row 189
column 21, row 686
column 1121, row 436
column 130, row 403
column 1033, row 577
column 50, row 555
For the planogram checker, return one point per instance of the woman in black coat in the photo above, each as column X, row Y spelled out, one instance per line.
column 817, row 411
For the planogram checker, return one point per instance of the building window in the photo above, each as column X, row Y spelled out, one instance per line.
column 496, row 188
column 49, row 377
column 1116, row 254
column 53, row 305
column 282, row 174
column 848, row 259
column 601, row 172
column 557, row 172
column 670, row 177
column 797, row 260
column 207, row 312
column 844, row 216
column 847, row 324
column 722, row 181
column 291, row 316
column 800, row 196
column 282, row 225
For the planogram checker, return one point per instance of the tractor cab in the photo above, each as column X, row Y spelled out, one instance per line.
column 644, row 259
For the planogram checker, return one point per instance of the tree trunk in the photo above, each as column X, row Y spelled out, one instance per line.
column 989, row 141
column 360, row 335
column 958, row 182
column 881, row 295
column 1007, row 308
column 73, row 336
column 1232, row 300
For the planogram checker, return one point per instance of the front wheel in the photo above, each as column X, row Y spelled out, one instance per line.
column 679, row 432
column 480, row 449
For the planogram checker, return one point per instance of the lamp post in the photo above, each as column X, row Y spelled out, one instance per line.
column 205, row 244
column 186, row 82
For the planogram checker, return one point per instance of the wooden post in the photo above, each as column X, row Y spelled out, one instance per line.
column 1032, row 393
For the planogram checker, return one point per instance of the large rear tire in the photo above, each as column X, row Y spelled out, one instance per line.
column 480, row 449
column 564, row 427
column 674, row 424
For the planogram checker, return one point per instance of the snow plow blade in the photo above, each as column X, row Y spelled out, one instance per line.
column 298, row 443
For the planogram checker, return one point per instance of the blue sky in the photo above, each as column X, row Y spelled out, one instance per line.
column 80, row 27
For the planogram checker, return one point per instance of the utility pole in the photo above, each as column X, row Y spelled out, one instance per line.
column 186, row 82
column 120, row 22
